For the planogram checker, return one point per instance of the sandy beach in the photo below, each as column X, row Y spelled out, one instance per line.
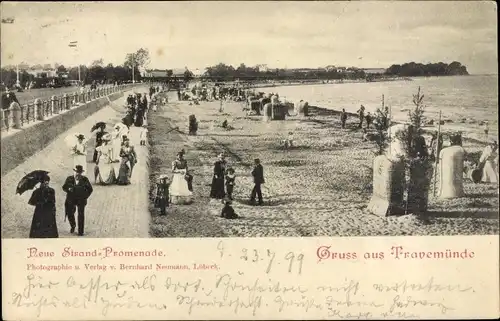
column 321, row 187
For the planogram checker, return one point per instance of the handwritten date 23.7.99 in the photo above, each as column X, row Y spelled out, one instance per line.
column 293, row 260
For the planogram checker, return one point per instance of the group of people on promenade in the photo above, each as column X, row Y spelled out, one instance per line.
column 114, row 157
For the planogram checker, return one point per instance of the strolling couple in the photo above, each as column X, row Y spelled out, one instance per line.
column 226, row 178
column 223, row 180
column 78, row 189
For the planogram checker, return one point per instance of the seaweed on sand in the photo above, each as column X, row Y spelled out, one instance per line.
column 290, row 162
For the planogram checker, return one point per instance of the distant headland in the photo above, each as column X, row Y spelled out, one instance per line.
column 413, row 69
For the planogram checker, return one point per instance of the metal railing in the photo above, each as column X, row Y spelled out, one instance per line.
column 17, row 116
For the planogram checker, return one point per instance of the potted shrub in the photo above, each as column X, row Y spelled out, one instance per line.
column 418, row 164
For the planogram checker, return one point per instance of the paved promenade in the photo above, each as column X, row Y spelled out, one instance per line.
column 112, row 211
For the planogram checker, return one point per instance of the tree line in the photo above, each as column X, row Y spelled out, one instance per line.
column 101, row 73
column 223, row 72
column 96, row 72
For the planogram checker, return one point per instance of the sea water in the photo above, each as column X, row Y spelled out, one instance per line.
column 472, row 99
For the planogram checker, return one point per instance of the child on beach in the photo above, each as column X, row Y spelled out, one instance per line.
column 343, row 118
column 144, row 134
column 368, row 119
column 228, row 211
column 486, row 130
column 289, row 140
column 162, row 196
column 361, row 113
column 230, row 180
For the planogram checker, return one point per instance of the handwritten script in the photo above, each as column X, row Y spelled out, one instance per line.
column 257, row 283
column 257, row 296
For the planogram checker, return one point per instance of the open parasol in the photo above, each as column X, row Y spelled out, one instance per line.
column 30, row 180
column 98, row 125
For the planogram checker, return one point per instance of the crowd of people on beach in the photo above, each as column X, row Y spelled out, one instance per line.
column 223, row 178
column 114, row 157
column 180, row 189
column 218, row 91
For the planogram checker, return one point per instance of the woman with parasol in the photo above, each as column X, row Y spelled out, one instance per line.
column 104, row 171
column 119, row 131
column 78, row 149
column 128, row 160
column 43, row 199
column 101, row 126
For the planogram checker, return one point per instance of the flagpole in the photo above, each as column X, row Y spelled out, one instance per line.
column 18, row 83
column 74, row 44
column 78, row 56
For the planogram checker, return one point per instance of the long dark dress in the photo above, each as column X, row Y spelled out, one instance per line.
column 162, row 195
column 44, row 218
column 139, row 118
column 128, row 161
column 217, row 190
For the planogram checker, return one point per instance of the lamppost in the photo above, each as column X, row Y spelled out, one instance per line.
column 11, row 21
column 18, row 82
column 74, row 44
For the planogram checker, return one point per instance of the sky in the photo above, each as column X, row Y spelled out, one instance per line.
column 280, row 34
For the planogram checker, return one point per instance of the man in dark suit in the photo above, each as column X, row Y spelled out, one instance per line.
column 78, row 189
column 8, row 98
column 258, row 179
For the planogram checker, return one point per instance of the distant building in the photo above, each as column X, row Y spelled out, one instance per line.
column 156, row 73
column 40, row 73
column 374, row 71
column 262, row 68
column 197, row 72
column 307, row 69
column 178, row 72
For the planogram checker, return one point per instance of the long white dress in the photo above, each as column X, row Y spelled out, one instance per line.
column 490, row 169
column 178, row 190
column 80, row 155
column 116, row 142
column 105, row 173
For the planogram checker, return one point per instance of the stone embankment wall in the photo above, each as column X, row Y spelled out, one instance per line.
column 27, row 131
